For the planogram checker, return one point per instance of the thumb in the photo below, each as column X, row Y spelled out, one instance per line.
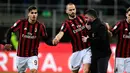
column 82, row 36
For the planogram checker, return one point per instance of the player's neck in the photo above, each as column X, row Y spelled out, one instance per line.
column 72, row 17
column 31, row 22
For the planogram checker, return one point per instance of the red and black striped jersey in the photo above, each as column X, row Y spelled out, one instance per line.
column 122, row 29
column 75, row 29
column 29, row 37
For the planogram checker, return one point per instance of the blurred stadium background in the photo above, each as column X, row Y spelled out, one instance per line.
column 52, row 13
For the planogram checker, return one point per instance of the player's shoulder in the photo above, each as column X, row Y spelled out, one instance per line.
column 21, row 20
column 40, row 23
column 81, row 16
column 18, row 22
column 66, row 21
column 121, row 22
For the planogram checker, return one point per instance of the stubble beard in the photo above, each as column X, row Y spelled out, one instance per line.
column 72, row 15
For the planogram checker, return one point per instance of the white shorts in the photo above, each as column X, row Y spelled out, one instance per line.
column 80, row 57
column 26, row 62
column 123, row 65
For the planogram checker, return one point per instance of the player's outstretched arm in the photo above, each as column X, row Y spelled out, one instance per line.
column 58, row 37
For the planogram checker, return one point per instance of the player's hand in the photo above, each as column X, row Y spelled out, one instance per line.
column 8, row 47
column 55, row 41
column 88, row 26
column 84, row 39
column 108, row 26
column 110, row 33
column 108, row 29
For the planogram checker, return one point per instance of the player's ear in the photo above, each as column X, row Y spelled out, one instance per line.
column 28, row 14
column 66, row 11
column 126, row 14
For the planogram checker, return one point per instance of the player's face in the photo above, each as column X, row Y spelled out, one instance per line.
column 89, row 18
column 33, row 15
column 71, row 10
column 128, row 16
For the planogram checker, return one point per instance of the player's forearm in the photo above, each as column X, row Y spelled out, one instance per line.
column 109, row 30
column 110, row 33
column 57, row 38
column 59, row 35
column 8, row 36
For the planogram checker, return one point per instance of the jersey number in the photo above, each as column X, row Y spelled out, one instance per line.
column 35, row 62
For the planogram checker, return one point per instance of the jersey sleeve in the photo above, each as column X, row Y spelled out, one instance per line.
column 16, row 26
column 63, row 27
column 43, row 30
column 85, row 19
column 116, row 28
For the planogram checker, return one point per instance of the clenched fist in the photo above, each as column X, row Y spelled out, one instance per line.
column 7, row 46
column 55, row 41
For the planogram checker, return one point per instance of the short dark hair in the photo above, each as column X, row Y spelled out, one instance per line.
column 127, row 10
column 92, row 12
column 70, row 4
column 32, row 8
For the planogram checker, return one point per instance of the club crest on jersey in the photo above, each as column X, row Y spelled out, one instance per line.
column 72, row 25
column 35, row 29
column 126, row 29
column 25, row 28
